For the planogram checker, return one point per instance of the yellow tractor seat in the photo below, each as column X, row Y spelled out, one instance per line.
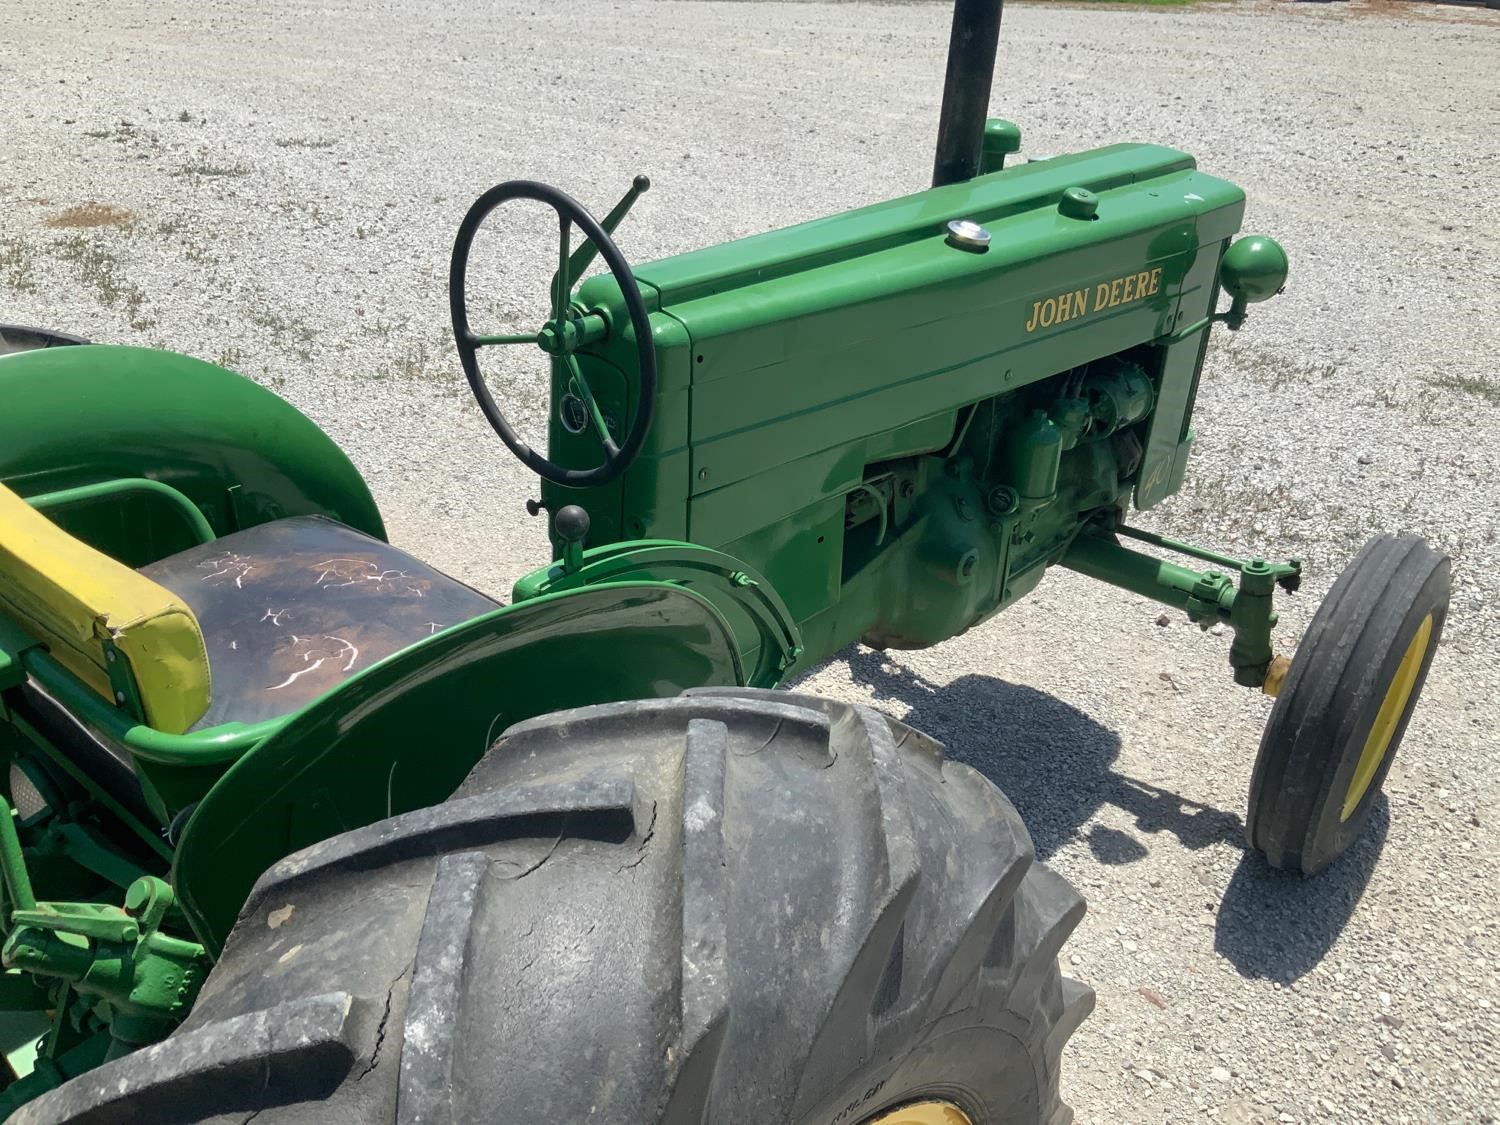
column 292, row 608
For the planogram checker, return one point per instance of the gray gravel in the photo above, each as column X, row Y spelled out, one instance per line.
column 294, row 174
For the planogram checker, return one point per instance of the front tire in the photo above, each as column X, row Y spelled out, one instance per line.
column 1345, row 704
column 731, row 907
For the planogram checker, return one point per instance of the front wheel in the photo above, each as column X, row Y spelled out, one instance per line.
column 732, row 907
column 1345, row 703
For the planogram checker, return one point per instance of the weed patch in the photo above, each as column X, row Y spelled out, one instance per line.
column 99, row 271
column 15, row 266
column 418, row 361
column 230, row 357
column 207, row 168
column 1475, row 385
column 290, row 334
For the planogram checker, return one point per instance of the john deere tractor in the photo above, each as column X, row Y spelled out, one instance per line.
column 297, row 827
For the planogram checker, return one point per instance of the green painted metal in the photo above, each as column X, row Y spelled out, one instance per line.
column 214, row 746
column 1206, row 597
column 1001, row 139
column 35, row 739
column 1254, row 269
column 51, row 502
column 239, row 454
column 118, row 956
column 765, row 633
column 814, row 383
column 18, row 892
column 65, row 1054
column 864, row 429
column 79, row 958
column 367, row 749
column 1293, row 567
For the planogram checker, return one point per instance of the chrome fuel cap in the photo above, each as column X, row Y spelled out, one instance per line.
column 966, row 234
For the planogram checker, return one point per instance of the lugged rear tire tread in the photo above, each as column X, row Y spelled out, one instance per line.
column 754, row 906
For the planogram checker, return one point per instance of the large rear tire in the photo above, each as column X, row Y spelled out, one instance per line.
column 731, row 907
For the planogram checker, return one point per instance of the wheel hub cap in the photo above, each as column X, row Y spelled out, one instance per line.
column 922, row 1113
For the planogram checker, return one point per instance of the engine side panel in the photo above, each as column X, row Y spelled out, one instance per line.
column 802, row 364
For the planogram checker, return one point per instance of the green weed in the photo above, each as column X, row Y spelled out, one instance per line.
column 290, row 334
column 1476, row 385
column 100, row 271
column 207, row 168
column 15, row 266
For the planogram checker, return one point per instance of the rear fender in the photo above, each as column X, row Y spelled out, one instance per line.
column 81, row 415
column 765, row 631
column 403, row 734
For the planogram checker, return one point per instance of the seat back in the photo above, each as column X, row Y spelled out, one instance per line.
column 84, row 605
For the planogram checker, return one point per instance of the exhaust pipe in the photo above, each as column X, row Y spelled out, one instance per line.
column 966, row 90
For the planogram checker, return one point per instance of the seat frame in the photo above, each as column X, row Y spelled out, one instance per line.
column 119, row 725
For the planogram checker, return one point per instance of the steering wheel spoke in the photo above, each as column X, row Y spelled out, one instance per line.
column 580, row 387
column 561, row 335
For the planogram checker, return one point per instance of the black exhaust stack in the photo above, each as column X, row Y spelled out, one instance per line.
column 966, row 90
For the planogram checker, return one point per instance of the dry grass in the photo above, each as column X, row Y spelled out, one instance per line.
column 92, row 214
column 419, row 360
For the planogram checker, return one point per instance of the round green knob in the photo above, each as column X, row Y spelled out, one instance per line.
column 1078, row 203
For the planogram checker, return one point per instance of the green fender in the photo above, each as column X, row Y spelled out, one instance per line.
column 403, row 733
column 764, row 629
column 80, row 415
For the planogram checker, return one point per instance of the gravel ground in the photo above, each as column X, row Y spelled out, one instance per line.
column 278, row 184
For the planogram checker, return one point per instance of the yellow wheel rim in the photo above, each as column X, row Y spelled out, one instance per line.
column 1391, row 709
column 923, row 1113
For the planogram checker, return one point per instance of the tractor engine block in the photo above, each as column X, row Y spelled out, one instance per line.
column 973, row 527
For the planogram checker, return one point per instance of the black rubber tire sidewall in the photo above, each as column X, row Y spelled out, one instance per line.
column 734, row 906
column 1314, row 737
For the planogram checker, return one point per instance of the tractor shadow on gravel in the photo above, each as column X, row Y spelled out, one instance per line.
column 1052, row 760
column 1277, row 925
column 1055, row 763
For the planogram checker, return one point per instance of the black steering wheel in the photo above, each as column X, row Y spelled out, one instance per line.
column 561, row 336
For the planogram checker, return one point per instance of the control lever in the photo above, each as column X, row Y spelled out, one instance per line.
column 583, row 257
column 572, row 526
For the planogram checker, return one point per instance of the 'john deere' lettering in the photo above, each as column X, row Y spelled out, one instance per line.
column 1106, row 295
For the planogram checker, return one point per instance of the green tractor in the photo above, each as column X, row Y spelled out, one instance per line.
column 296, row 827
